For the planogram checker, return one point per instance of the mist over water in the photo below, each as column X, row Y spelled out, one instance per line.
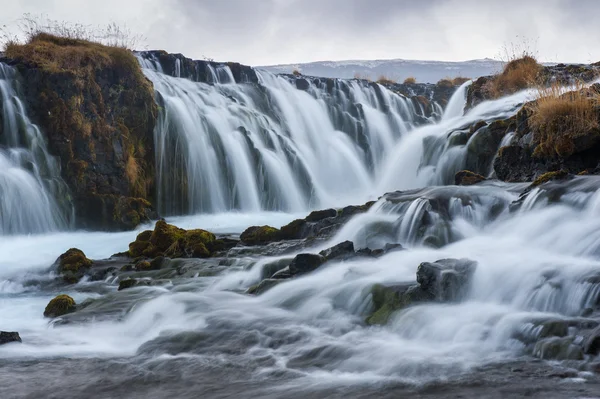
column 266, row 154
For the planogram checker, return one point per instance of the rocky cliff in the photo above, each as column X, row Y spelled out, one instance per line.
column 98, row 113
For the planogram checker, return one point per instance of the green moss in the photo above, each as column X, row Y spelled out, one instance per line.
column 293, row 229
column 257, row 235
column 385, row 302
column 171, row 241
column 546, row 177
column 72, row 265
column 59, row 306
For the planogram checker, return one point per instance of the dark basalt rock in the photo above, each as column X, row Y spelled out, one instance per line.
column 133, row 282
column 305, row 263
column 447, row 280
column 8, row 337
column 343, row 250
column 316, row 216
column 591, row 345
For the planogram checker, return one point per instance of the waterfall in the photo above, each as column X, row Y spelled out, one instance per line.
column 270, row 146
column 29, row 176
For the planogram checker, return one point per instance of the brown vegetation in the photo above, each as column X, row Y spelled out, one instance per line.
column 411, row 80
column 459, row 80
column 564, row 122
column 518, row 74
column 384, row 80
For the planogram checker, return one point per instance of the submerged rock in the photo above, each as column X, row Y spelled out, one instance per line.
column 557, row 348
column 440, row 281
column 8, row 337
column 467, row 178
column 72, row 265
column 263, row 286
column 59, row 306
column 133, row 282
column 446, row 279
column 305, row 263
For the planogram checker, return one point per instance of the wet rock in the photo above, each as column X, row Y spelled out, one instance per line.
column 302, row 84
column 343, row 250
column 467, row 178
column 316, row 216
column 8, row 337
column 133, row 282
column 59, row 306
column 387, row 300
column 259, row 235
column 305, row 263
column 72, row 265
column 557, row 348
column 174, row 242
column 440, row 281
column 263, row 286
column 446, row 279
column 271, row 268
column 591, row 345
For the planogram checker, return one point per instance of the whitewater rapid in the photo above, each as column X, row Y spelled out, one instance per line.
column 536, row 261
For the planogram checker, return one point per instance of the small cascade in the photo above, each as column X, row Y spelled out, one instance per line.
column 225, row 146
column 29, row 176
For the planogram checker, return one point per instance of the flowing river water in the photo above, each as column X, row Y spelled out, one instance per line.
column 254, row 163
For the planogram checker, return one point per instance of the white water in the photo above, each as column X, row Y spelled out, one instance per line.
column 271, row 146
column 532, row 263
column 29, row 176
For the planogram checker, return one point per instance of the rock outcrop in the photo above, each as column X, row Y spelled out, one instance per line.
column 97, row 110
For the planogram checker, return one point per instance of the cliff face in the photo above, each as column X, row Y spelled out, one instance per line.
column 98, row 113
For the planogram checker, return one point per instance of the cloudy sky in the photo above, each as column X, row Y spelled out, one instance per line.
column 264, row 32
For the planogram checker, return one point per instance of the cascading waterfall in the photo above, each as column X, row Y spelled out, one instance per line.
column 29, row 176
column 226, row 146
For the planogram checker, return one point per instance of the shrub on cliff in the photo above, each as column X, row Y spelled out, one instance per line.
column 411, row 80
column 518, row 74
column 564, row 123
column 384, row 80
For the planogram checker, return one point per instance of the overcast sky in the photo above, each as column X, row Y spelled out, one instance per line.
column 263, row 32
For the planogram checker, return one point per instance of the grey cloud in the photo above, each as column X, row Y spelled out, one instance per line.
column 262, row 32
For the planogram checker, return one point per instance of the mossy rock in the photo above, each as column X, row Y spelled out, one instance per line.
column 467, row 178
column 72, row 265
column 172, row 241
column 59, row 306
column 546, row 177
column 293, row 230
column 258, row 235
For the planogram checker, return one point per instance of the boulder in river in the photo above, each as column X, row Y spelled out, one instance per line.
column 174, row 242
column 445, row 280
column 260, row 235
column 60, row 306
column 306, row 263
column 467, row 178
column 343, row 250
column 72, row 265
column 8, row 337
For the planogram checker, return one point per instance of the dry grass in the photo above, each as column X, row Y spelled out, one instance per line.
column 296, row 72
column 446, row 82
column 564, row 122
column 518, row 74
column 384, row 80
column 411, row 80
column 459, row 80
column 58, row 54
column 362, row 77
